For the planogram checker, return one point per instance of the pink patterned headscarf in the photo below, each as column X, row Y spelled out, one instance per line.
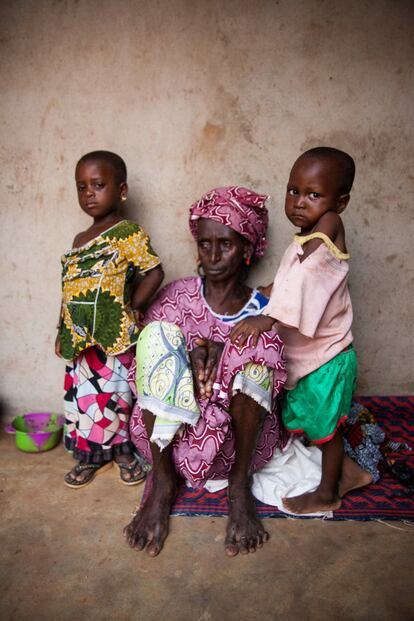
column 240, row 209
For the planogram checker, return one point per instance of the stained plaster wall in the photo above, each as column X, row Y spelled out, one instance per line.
column 195, row 94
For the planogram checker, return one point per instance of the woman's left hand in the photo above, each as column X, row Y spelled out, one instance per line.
column 205, row 358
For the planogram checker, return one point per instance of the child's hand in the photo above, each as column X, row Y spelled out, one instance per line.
column 253, row 326
column 266, row 291
column 138, row 316
column 205, row 359
column 58, row 351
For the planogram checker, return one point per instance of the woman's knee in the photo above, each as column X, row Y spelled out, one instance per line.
column 255, row 382
column 159, row 333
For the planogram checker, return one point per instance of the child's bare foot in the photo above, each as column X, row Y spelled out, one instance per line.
column 312, row 502
column 353, row 477
column 149, row 528
column 245, row 532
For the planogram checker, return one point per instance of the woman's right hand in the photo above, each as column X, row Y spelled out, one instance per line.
column 58, row 351
column 205, row 358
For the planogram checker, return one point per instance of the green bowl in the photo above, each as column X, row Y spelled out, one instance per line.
column 37, row 431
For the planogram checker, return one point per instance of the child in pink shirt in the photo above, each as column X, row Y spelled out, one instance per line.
column 311, row 304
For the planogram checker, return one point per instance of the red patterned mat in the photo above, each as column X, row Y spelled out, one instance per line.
column 388, row 499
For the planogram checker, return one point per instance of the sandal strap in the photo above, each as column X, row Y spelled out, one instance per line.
column 79, row 468
column 129, row 466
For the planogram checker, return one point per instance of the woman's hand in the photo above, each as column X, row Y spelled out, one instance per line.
column 205, row 358
column 253, row 326
column 58, row 351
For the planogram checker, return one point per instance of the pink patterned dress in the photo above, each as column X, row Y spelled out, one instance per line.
column 206, row 450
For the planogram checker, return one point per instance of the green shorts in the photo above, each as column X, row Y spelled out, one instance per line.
column 321, row 400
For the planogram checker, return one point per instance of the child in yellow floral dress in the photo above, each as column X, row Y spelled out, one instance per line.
column 107, row 278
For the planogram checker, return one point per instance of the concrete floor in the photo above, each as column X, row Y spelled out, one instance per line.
column 63, row 557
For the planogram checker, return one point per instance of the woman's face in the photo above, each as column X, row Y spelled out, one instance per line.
column 221, row 250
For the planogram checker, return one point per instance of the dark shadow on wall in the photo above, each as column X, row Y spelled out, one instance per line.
column 4, row 412
column 132, row 208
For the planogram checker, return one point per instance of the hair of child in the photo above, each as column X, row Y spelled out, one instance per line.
column 344, row 162
column 110, row 158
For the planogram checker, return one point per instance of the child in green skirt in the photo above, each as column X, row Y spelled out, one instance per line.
column 311, row 304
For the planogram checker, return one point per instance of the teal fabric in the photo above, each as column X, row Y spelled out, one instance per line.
column 322, row 399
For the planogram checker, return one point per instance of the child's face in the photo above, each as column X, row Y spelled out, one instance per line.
column 312, row 190
column 99, row 194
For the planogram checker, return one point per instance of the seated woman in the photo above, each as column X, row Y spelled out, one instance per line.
column 225, row 423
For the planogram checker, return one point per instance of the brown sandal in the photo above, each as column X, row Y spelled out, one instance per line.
column 126, row 467
column 91, row 470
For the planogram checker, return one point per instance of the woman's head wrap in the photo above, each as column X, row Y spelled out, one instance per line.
column 238, row 208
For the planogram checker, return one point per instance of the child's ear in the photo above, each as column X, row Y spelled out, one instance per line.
column 123, row 190
column 343, row 201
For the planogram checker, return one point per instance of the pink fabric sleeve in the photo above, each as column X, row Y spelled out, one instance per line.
column 164, row 306
column 302, row 291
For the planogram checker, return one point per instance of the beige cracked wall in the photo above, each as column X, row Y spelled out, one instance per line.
column 195, row 94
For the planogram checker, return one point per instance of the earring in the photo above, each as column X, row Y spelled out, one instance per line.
column 247, row 261
column 123, row 198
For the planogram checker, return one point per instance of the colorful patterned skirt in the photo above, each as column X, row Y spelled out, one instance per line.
column 97, row 405
column 201, row 429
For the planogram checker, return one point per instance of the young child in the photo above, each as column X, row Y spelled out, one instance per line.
column 108, row 276
column 311, row 304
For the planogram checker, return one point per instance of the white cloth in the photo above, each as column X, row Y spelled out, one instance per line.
column 290, row 472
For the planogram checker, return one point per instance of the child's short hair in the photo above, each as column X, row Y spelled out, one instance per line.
column 110, row 158
column 345, row 163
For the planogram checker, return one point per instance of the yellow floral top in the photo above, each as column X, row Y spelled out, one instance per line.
column 97, row 283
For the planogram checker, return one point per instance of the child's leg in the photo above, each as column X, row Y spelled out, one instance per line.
column 325, row 497
column 317, row 405
column 97, row 408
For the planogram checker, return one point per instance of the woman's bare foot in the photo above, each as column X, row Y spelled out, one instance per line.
column 353, row 477
column 312, row 502
column 245, row 532
column 149, row 528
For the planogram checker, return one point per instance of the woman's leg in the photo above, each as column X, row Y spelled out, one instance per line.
column 244, row 531
column 149, row 528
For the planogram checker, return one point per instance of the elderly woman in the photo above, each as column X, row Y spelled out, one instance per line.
column 206, row 409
